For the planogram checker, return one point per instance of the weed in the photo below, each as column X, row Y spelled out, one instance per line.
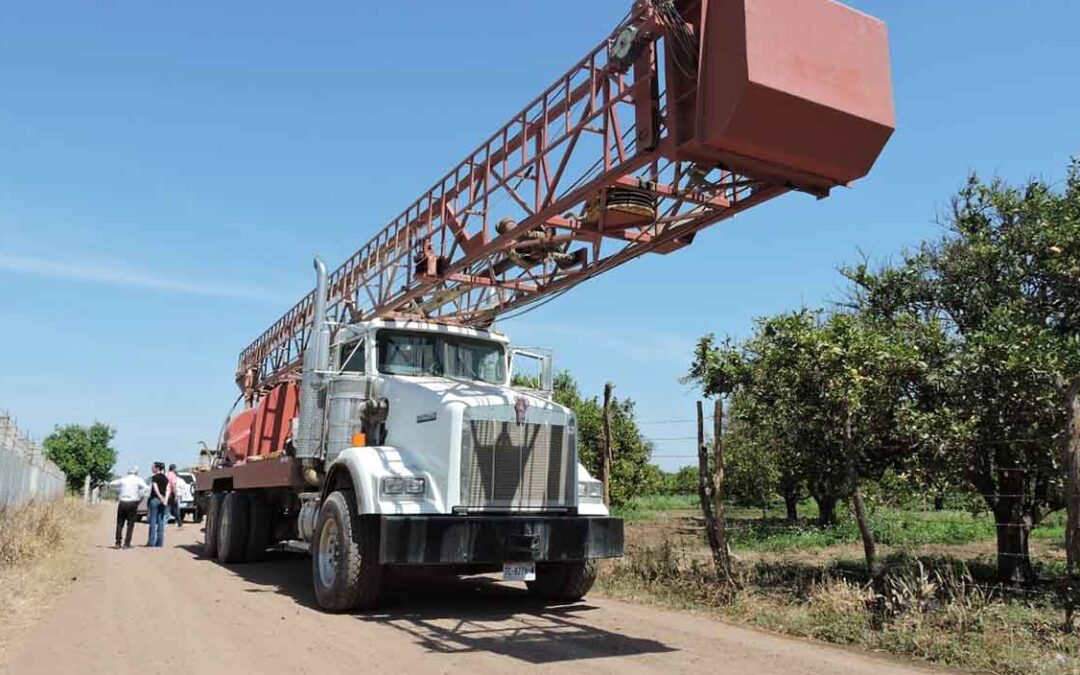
column 936, row 609
column 34, row 530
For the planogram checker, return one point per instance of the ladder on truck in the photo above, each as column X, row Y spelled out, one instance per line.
column 687, row 113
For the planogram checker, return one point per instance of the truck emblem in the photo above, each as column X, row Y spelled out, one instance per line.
column 519, row 409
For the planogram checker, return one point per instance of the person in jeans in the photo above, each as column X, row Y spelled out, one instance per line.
column 131, row 490
column 155, row 505
column 174, row 497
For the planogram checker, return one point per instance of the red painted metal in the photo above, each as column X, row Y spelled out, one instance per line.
column 797, row 88
column 264, row 428
column 707, row 116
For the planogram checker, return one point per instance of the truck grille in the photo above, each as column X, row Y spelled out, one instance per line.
column 516, row 466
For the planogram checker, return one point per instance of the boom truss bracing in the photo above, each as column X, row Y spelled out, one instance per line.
column 595, row 171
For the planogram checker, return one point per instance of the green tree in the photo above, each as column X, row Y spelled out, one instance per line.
column 751, row 466
column 80, row 451
column 631, row 473
column 1003, row 282
column 685, row 480
column 827, row 392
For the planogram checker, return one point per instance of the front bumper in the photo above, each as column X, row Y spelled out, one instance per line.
column 432, row 540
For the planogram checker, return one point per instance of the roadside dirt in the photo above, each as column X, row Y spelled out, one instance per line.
column 168, row 610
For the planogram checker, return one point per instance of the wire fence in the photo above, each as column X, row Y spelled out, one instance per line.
column 25, row 473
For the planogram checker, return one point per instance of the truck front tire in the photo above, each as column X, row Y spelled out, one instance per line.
column 345, row 566
column 563, row 581
column 210, row 533
column 233, row 528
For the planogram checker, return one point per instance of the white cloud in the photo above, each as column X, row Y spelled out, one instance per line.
column 118, row 274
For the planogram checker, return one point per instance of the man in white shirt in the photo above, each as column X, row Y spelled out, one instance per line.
column 131, row 490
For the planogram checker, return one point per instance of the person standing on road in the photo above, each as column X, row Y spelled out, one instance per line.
column 174, row 496
column 155, row 505
column 131, row 490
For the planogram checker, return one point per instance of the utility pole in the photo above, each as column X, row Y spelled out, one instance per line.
column 605, row 459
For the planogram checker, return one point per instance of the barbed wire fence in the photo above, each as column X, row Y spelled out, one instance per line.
column 670, row 439
column 25, row 473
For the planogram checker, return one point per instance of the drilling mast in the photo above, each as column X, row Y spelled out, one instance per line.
column 688, row 112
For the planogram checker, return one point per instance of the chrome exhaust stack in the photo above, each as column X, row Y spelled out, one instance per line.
column 308, row 440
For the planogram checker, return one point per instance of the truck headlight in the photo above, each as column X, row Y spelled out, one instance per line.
column 414, row 486
column 590, row 489
column 391, row 486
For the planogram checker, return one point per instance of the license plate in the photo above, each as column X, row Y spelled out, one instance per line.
column 519, row 571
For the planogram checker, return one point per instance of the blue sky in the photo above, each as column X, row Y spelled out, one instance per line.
column 168, row 169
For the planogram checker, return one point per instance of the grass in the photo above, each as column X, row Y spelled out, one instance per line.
column 941, row 602
column 32, row 532
column 650, row 506
column 38, row 558
column 934, row 609
column 892, row 526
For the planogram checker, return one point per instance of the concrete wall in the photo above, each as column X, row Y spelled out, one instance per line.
column 24, row 472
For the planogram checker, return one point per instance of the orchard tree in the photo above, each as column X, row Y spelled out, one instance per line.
column 82, row 451
column 1003, row 280
column 752, row 471
column 828, row 391
column 631, row 472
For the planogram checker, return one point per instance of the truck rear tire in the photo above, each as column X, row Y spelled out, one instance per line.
column 345, row 566
column 258, row 527
column 563, row 581
column 233, row 528
column 210, row 533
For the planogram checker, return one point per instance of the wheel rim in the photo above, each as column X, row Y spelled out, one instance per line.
column 329, row 552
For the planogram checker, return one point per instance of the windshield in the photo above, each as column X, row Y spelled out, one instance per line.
column 406, row 353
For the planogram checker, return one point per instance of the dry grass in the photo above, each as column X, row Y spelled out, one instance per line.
column 33, row 531
column 932, row 610
column 38, row 559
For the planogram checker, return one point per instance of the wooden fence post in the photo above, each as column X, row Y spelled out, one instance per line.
column 1071, row 465
column 707, row 493
column 605, row 459
column 718, row 484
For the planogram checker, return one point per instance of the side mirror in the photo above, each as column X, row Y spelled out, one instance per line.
column 532, row 368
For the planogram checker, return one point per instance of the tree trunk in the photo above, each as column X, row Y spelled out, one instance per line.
column 1013, row 528
column 605, row 456
column 789, row 490
column 939, row 501
column 826, row 509
column 791, row 506
column 869, row 545
column 1072, row 479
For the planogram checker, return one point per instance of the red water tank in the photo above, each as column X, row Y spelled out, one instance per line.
column 792, row 89
column 265, row 427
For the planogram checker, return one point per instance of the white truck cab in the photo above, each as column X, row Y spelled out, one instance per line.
column 411, row 447
column 457, row 437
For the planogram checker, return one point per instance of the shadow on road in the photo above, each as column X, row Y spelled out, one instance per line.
column 459, row 615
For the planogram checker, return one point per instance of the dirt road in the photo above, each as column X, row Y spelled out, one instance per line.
column 167, row 610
